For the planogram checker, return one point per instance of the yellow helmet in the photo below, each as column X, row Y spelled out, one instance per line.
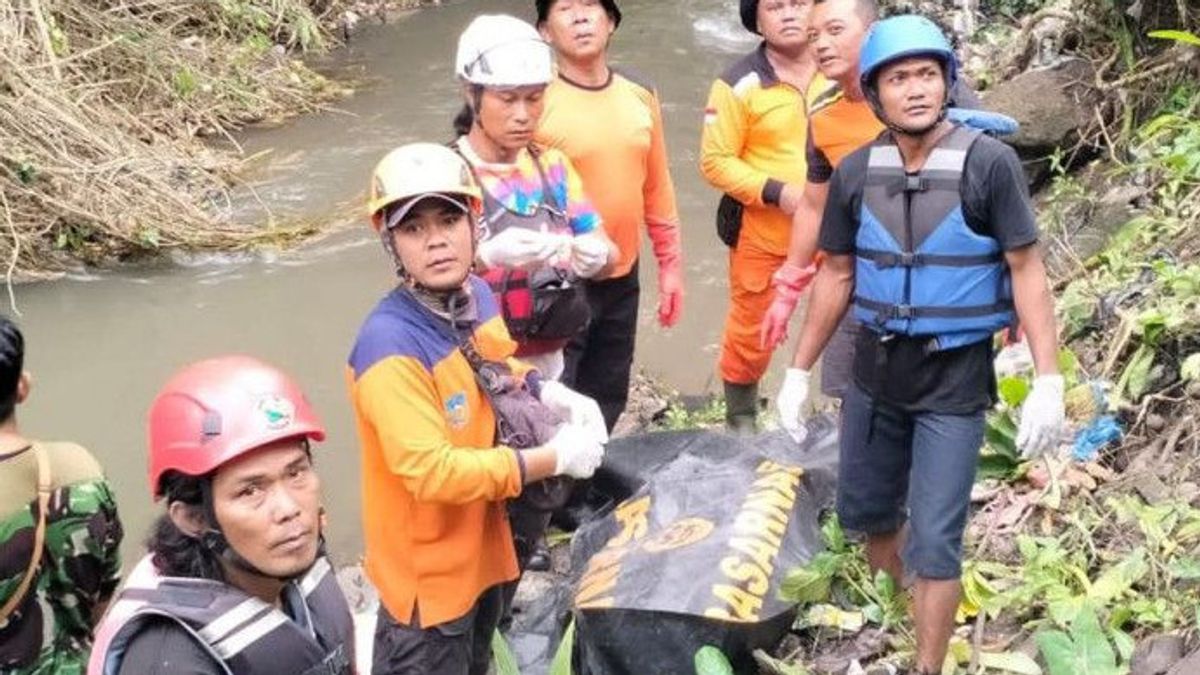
column 421, row 170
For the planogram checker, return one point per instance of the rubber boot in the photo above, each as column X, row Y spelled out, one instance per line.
column 741, row 407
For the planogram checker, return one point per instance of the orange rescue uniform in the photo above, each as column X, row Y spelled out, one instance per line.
column 753, row 143
column 837, row 127
column 622, row 159
column 434, row 483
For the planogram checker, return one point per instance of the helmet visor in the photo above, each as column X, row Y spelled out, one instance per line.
column 398, row 213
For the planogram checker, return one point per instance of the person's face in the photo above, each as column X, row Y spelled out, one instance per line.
column 784, row 23
column 268, row 505
column 578, row 29
column 912, row 92
column 510, row 116
column 434, row 243
column 835, row 35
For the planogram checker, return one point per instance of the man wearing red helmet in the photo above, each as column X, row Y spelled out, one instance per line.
column 451, row 426
column 236, row 580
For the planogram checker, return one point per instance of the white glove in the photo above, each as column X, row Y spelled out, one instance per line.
column 576, row 409
column 519, row 248
column 790, row 400
column 577, row 453
column 1042, row 417
column 589, row 255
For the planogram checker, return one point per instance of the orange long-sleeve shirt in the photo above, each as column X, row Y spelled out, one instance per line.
column 753, row 143
column 613, row 135
column 434, row 483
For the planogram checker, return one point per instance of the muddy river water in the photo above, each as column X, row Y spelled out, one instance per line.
column 100, row 345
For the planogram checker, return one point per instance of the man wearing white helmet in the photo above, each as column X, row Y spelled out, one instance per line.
column 540, row 233
column 451, row 426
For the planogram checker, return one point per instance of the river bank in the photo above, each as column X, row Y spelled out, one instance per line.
column 109, row 113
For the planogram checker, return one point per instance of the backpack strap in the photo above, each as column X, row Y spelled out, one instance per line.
column 44, row 482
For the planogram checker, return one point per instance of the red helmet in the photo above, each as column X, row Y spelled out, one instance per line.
column 218, row 409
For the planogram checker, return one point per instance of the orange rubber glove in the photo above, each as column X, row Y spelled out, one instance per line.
column 670, row 294
column 789, row 282
column 668, row 251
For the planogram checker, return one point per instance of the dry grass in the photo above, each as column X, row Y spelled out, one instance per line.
column 100, row 105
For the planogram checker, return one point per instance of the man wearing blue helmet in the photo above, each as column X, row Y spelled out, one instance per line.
column 930, row 235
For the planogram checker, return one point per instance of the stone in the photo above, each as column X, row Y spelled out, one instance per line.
column 1190, row 665
column 1152, row 489
column 1156, row 655
column 1051, row 104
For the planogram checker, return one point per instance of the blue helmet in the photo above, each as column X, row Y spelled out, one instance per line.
column 901, row 37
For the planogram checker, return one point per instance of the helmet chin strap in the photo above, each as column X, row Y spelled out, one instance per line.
column 872, row 95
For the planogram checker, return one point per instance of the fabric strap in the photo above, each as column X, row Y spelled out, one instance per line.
column 44, row 479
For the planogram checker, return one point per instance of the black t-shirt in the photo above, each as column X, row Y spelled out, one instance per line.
column 903, row 370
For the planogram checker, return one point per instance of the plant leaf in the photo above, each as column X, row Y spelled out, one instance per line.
column 1114, row 581
column 561, row 665
column 831, row 616
column 1013, row 662
column 1177, row 35
column 712, row 661
column 1190, row 368
column 1184, row 569
column 1013, row 390
column 1058, row 650
column 1136, row 377
column 503, row 657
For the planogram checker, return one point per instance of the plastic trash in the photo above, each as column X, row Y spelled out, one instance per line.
column 1090, row 440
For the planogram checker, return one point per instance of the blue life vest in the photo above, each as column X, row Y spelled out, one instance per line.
column 920, row 270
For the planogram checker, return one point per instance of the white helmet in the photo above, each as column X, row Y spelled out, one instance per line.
column 498, row 50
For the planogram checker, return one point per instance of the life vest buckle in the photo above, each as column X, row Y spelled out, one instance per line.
column 903, row 259
column 903, row 312
column 915, row 184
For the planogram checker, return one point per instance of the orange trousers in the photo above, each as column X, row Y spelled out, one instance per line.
column 742, row 360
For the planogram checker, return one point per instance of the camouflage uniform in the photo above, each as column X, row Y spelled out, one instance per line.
column 51, row 630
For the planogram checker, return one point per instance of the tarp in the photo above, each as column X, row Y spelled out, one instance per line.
column 704, row 527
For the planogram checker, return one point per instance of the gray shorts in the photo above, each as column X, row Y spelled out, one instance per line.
column 837, row 362
column 897, row 465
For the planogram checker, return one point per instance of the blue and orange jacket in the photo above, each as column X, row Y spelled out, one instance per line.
column 434, row 483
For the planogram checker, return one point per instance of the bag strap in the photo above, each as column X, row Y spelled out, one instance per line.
column 450, row 330
column 39, row 537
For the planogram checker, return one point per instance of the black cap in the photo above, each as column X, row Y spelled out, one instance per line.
column 610, row 8
column 749, row 15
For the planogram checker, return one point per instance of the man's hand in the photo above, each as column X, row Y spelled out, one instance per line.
column 1042, row 417
column 790, row 400
column 576, row 408
column 577, row 452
